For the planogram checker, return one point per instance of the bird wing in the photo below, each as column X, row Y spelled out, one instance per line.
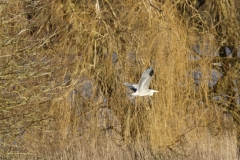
column 133, row 87
column 146, row 78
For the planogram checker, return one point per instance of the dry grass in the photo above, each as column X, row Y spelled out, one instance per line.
column 62, row 67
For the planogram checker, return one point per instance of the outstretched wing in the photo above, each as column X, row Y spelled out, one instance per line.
column 146, row 78
column 133, row 87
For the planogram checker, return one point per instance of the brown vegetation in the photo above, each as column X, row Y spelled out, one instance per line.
column 62, row 65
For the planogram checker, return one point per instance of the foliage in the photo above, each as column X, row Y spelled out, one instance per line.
column 62, row 65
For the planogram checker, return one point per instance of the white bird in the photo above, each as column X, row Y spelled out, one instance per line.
column 142, row 88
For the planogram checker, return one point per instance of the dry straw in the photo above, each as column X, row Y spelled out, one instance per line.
column 62, row 67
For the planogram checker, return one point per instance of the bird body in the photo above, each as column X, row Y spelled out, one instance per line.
column 148, row 92
column 142, row 88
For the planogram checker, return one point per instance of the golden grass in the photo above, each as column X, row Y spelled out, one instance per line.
column 62, row 96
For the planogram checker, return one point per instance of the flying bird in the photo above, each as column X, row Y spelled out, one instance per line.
column 142, row 88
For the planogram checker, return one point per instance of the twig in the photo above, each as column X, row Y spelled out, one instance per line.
column 160, row 10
